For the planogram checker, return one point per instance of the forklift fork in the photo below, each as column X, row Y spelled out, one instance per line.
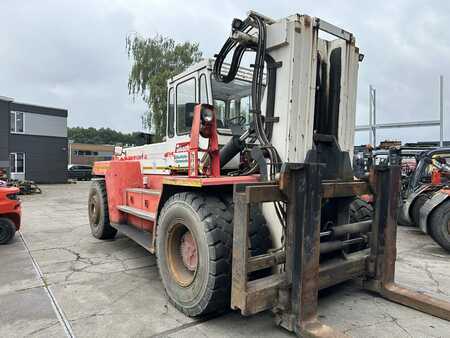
column 292, row 291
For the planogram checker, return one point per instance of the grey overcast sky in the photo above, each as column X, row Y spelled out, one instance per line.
column 72, row 53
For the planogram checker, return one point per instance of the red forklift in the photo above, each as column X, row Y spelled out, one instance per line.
column 259, row 152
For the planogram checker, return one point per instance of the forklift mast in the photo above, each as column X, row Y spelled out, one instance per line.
column 316, row 84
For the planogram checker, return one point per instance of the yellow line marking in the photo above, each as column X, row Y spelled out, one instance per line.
column 191, row 182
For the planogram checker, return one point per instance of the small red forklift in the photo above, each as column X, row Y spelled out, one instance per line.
column 10, row 213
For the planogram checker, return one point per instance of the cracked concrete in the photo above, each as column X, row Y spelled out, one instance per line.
column 112, row 288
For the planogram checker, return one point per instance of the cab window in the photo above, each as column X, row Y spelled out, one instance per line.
column 232, row 101
column 185, row 93
column 170, row 115
column 203, row 89
column 220, row 107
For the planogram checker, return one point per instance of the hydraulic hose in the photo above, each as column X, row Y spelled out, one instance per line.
column 262, row 131
column 233, row 147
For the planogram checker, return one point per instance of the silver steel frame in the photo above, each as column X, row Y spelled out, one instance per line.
column 373, row 125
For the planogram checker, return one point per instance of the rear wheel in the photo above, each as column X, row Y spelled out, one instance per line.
column 193, row 248
column 7, row 230
column 260, row 238
column 98, row 212
column 360, row 210
column 439, row 225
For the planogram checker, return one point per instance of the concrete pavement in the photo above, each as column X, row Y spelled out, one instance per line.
column 112, row 288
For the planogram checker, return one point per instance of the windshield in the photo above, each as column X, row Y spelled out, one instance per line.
column 232, row 102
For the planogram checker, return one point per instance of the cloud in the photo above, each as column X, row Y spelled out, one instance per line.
column 72, row 53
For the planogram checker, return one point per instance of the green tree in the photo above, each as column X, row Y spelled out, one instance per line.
column 154, row 61
column 104, row 136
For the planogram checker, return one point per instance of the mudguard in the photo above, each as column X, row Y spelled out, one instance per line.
column 425, row 211
column 405, row 211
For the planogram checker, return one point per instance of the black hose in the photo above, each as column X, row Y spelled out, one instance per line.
column 262, row 131
column 233, row 147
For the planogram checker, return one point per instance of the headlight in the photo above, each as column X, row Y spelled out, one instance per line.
column 207, row 114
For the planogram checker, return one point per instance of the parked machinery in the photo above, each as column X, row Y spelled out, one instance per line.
column 427, row 196
column 261, row 152
column 425, row 187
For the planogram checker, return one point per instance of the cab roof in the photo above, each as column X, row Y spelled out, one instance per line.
column 243, row 73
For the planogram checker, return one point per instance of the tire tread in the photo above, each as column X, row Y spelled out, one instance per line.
column 217, row 226
column 437, row 225
column 107, row 232
column 9, row 225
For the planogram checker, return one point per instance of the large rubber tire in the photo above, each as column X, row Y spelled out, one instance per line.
column 7, row 230
column 260, row 238
column 439, row 225
column 360, row 210
column 260, row 241
column 209, row 221
column 98, row 211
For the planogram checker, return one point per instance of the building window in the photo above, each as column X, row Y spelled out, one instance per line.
column 16, row 122
column 17, row 163
column 85, row 153
column 12, row 122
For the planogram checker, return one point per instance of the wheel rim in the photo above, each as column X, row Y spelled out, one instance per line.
column 182, row 254
column 94, row 210
column 188, row 250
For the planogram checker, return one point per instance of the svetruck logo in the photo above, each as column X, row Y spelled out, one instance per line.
column 181, row 158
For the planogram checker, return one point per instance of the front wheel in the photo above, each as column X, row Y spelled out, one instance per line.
column 193, row 250
column 7, row 230
column 440, row 225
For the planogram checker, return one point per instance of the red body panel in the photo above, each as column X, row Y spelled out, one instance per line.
column 120, row 176
column 123, row 175
column 10, row 208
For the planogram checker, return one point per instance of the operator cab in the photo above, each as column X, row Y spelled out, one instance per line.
column 231, row 100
